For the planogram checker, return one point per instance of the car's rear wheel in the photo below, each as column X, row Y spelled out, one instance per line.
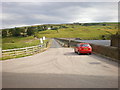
column 89, row 53
column 75, row 51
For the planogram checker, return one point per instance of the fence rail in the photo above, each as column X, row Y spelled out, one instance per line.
column 19, row 52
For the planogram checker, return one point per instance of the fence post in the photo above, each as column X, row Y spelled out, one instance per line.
column 15, row 53
column 33, row 50
column 38, row 47
column 26, row 51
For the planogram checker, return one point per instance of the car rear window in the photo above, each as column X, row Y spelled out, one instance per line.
column 85, row 45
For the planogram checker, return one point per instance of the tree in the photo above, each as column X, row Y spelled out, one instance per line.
column 4, row 33
column 11, row 32
column 24, row 31
column 40, row 28
column 51, row 27
column 103, row 37
column 104, row 24
column 17, row 32
column 30, row 31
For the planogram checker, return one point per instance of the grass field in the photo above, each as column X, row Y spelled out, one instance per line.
column 72, row 31
column 77, row 31
column 18, row 42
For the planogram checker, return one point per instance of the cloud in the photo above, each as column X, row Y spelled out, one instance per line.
column 60, row 0
column 29, row 13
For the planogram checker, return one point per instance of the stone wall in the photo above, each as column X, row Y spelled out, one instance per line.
column 115, row 41
column 108, row 51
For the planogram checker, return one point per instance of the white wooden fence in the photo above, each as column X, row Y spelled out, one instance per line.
column 19, row 52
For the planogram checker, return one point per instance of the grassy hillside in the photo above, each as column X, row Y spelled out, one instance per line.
column 83, row 32
column 62, row 31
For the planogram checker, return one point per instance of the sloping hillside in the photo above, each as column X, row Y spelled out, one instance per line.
column 84, row 32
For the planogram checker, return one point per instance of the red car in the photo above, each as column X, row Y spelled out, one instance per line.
column 83, row 48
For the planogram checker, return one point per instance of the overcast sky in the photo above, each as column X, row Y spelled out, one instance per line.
column 31, row 13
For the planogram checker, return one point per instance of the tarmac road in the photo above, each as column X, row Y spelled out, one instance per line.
column 60, row 68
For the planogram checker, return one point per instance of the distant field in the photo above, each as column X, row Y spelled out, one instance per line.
column 93, row 32
column 83, row 32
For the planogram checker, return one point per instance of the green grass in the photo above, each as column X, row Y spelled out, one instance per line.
column 83, row 32
column 18, row 42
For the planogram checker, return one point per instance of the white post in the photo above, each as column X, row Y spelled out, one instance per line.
column 41, row 40
column 44, row 41
column 43, row 37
